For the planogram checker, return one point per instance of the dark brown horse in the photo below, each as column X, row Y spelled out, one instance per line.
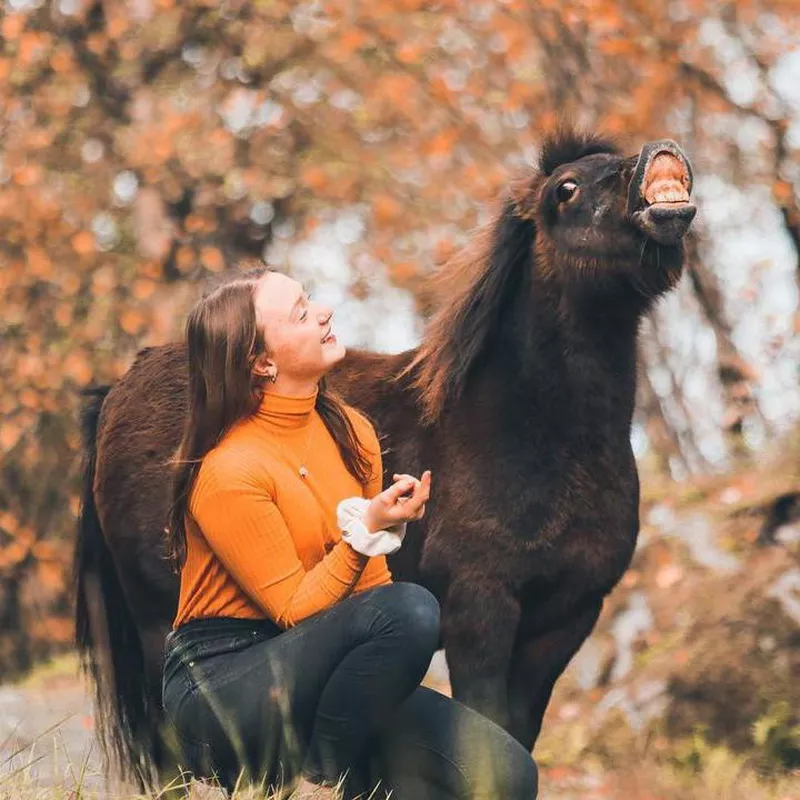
column 520, row 400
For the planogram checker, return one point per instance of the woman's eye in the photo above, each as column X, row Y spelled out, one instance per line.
column 566, row 191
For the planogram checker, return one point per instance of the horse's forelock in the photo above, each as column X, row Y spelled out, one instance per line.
column 567, row 146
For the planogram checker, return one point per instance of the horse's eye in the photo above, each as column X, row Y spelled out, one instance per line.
column 566, row 191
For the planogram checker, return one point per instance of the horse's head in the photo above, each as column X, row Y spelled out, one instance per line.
column 606, row 219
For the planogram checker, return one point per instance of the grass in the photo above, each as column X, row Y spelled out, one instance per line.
column 569, row 768
column 722, row 776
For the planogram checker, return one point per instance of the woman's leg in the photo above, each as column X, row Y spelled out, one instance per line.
column 322, row 688
column 373, row 679
column 435, row 748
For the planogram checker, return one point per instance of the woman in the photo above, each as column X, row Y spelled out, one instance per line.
column 293, row 656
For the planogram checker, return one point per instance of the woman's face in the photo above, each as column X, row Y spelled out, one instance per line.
column 298, row 330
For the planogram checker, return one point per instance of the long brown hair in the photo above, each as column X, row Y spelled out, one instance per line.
column 224, row 340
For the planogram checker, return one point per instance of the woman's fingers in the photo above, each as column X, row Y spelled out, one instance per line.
column 419, row 483
column 398, row 488
column 405, row 499
column 412, row 507
column 424, row 486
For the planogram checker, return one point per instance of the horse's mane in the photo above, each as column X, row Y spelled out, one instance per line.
column 473, row 285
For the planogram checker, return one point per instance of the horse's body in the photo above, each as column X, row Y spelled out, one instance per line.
column 519, row 400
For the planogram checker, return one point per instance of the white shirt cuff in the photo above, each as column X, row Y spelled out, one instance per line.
column 350, row 518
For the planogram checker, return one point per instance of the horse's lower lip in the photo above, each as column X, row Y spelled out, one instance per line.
column 666, row 223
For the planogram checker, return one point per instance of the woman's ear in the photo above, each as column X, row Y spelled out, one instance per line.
column 265, row 367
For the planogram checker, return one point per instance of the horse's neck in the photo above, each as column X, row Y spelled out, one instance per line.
column 567, row 359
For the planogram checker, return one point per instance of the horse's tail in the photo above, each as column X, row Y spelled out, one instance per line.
column 105, row 631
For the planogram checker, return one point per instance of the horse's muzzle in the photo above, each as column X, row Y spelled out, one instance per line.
column 659, row 201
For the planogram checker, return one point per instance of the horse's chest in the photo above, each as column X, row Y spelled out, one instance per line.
column 589, row 530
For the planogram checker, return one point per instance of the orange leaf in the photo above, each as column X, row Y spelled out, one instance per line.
column 782, row 192
column 13, row 25
column 185, row 259
column 63, row 315
column 193, row 223
column 212, row 259
column 83, row 243
column 131, row 321
column 12, row 554
column 9, row 435
column 441, row 144
column 97, row 43
column 76, row 366
column 70, row 284
column 50, row 575
column 31, row 46
column 29, row 398
column 61, row 60
column 403, row 272
column 8, row 522
column 386, row 209
column 409, row 53
column 142, row 289
column 117, row 26
column 314, row 177
column 351, row 40
column 38, row 263
column 28, row 175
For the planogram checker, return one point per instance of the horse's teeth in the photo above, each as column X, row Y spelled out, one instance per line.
column 669, row 193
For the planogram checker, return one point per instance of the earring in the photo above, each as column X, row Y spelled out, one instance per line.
column 274, row 376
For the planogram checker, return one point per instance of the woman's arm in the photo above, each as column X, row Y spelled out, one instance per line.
column 247, row 532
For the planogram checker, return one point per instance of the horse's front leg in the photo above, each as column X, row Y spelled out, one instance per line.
column 479, row 626
column 536, row 664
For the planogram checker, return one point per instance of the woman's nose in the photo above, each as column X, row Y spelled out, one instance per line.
column 324, row 315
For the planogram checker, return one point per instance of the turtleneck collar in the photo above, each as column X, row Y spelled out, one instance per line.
column 283, row 411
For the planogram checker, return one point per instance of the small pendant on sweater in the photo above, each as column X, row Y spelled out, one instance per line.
column 303, row 472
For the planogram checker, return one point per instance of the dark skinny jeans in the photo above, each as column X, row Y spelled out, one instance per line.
column 337, row 694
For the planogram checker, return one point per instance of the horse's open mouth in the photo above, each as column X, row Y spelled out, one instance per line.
column 659, row 195
column 666, row 181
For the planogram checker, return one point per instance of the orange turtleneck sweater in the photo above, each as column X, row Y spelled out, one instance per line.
column 260, row 539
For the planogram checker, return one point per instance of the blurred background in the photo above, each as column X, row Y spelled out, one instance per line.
column 147, row 144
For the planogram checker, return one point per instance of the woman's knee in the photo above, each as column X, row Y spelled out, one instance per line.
column 521, row 779
column 415, row 609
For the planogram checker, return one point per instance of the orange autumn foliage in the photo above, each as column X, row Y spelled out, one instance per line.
column 141, row 151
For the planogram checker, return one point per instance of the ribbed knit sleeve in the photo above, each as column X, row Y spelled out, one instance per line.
column 247, row 532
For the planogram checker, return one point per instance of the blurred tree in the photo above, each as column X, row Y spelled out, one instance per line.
column 147, row 142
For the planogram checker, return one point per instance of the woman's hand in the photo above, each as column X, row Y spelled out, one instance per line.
column 403, row 501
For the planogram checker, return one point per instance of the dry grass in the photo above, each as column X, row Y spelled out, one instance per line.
column 722, row 777
column 80, row 784
column 725, row 779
